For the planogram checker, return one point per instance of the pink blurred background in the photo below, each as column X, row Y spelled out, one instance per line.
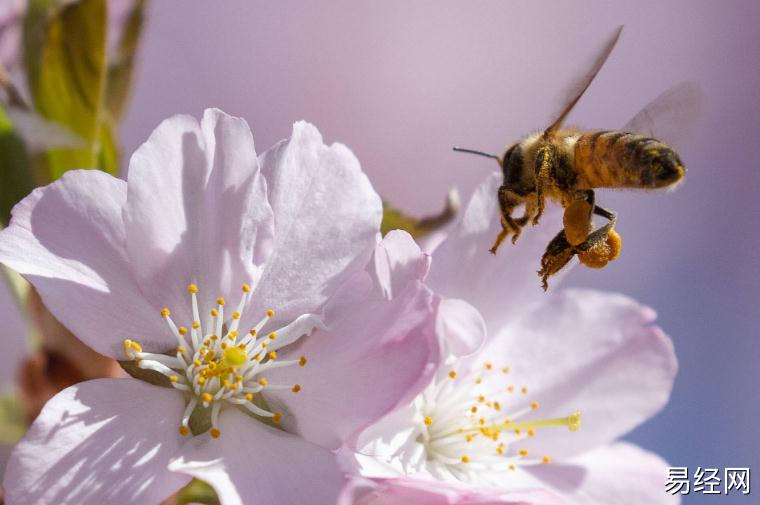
column 400, row 82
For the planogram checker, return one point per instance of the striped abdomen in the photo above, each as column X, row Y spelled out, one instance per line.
column 617, row 159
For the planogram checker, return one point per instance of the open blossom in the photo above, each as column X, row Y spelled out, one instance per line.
column 407, row 491
column 223, row 277
column 558, row 380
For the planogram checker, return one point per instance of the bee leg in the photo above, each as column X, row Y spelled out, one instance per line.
column 508, row 200
column 577, row 217
column 558, row 253
column 545, row 160
column 603, row 245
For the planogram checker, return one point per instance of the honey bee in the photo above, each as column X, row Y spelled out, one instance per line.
column 566, row 164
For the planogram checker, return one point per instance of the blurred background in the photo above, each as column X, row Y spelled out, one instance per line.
column 400, row 82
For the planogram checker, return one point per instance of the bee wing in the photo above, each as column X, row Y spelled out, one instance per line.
column 577, row 91
column 671, row 116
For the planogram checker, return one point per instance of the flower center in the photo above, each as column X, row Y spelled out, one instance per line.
column 215, row 365
column 473, row 426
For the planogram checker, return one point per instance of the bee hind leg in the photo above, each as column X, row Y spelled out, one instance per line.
column 558, row 253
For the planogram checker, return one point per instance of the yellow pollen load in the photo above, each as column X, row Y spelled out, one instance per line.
column 428, row 420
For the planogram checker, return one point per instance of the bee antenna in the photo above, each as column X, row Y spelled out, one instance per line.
column 479, row 153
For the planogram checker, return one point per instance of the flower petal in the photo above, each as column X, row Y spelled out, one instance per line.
column 254, row 463
column 326, row 218
column 588, row 351
column 14, row 337
column 460, row 326
column 419, row 491
column 630, row 474
column 197, row 211
column 378, row 355
column 102, row 441
column 500, row 286
column 397, row 261
column 68, row 240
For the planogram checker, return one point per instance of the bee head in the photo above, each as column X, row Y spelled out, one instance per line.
column 512, row 164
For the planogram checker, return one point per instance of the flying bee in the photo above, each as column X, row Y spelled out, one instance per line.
column 566, row 165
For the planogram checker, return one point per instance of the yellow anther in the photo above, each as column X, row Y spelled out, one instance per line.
column 236, row 315
column 207, row 397
column 546, row 460
column 226, row 383
column 182, row 330
column 272, row 335
column 465, row 459
column 500, row 450
column 232, row 334
column 453, row 374
column 192, row 288
column 214, row 312
column 220, row 301
column 173, row 378
column 531, row 432
column 574, row 421
column 523, row 452
column 518, row 431
column 512, row 467
column 524, row 390
column 263, row 381
column 302, row 361
column 257, row 357
column 510, row 389
column 253, row 332
column 183, row 430
column 197, row 363
column 224, row 345
column 469, row 438
column 238, row 378
column 215, row 432
column 428, row 420
column 196, row 325
column 249, row 397
column 481, row 399
column 296, row 388
column 214, row 338
column 165, row 312
column 264, row 345
column 277, row 417
column 270, row 313
column 201, row 380
column 272, row 355
column 488, row 366
column 497, row 406
column 246, row 288
column 474, row 409
column 482, row 421
column 181, row 349
column 534, row 405
column 478, row 380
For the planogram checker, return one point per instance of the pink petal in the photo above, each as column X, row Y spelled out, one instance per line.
column 628, row 473
column 197, row 211
column 326, row 218
column 68, row 240
column 460, row 326
column 102, row 441
column 254, row 463
column 499, row 286
column 397, row 261
column 420, row 491
column 588, row 351
column 378, row 355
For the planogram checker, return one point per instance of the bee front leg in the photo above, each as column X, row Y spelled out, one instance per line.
column 545, row 160
column 508, row 200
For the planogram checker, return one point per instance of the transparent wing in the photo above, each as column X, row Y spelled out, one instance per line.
column 671, row 116
column 576, row 92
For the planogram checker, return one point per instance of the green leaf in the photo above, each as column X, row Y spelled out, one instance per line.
column 12, row 422
column 122, row 63
column 395, row 219
column 16, row 179
column 197, row 492
column 65, row 58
